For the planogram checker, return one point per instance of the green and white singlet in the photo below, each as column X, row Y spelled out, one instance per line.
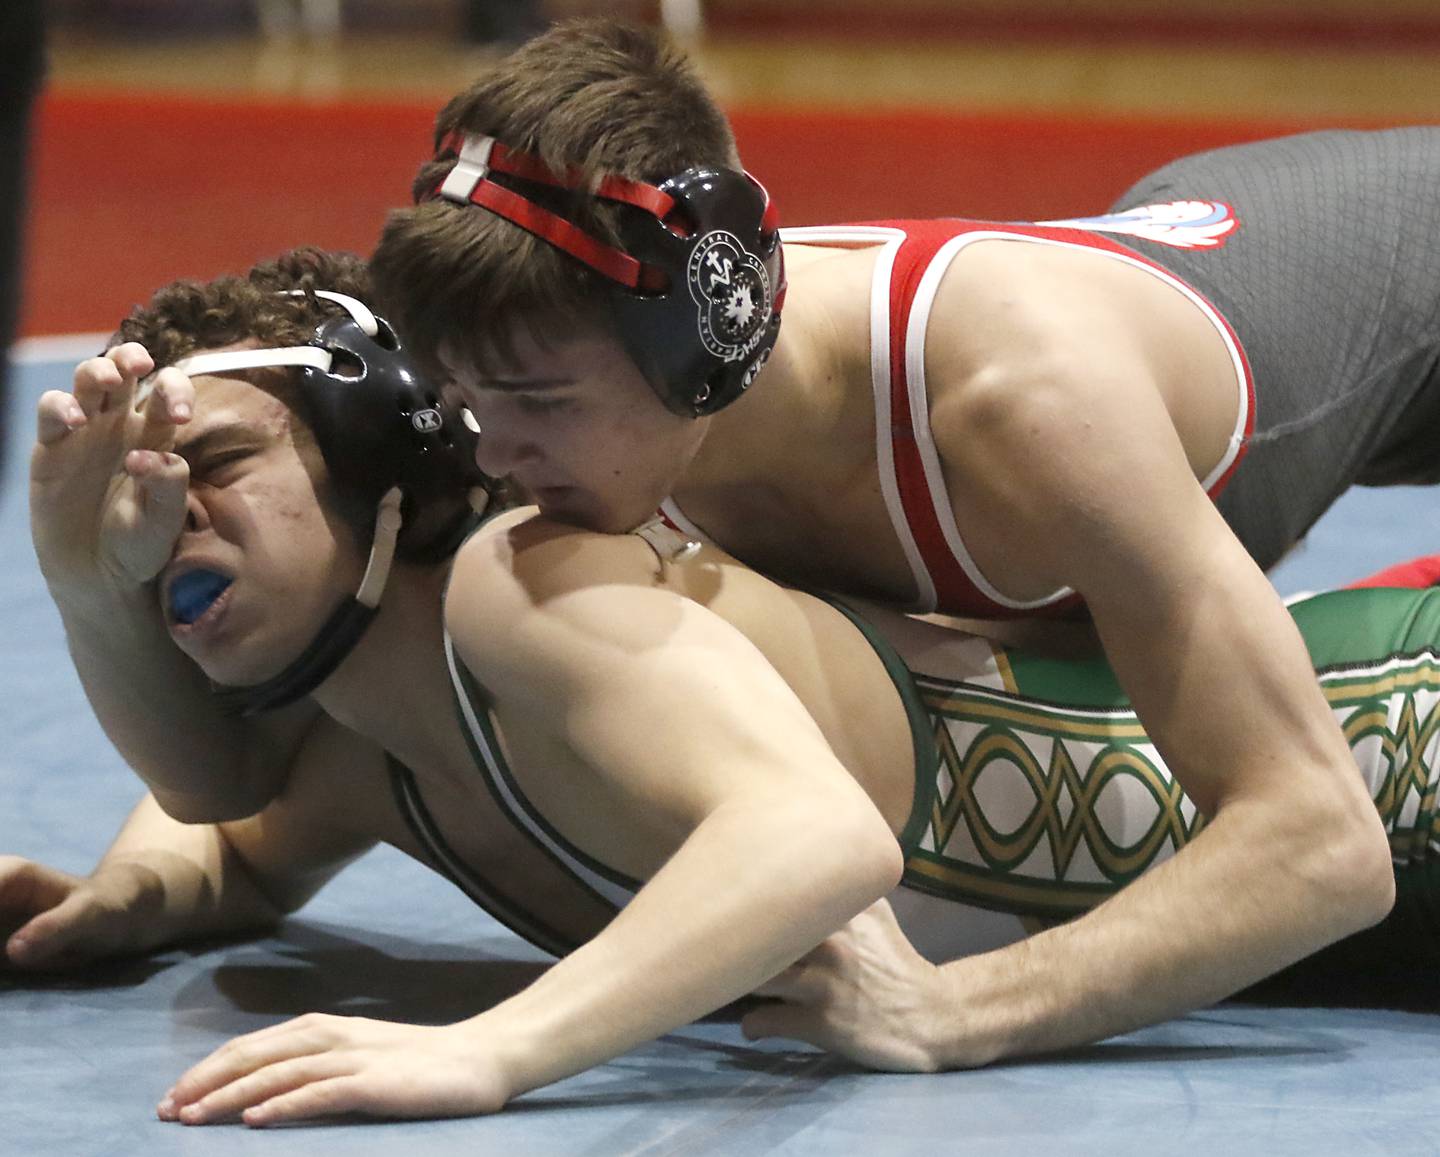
column 1038, row 793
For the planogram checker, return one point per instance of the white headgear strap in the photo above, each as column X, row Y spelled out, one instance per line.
column 295, row 355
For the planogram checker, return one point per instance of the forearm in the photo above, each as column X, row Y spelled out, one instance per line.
column 183, row 881
column 749, row 892
column 155, row 706
column 1252, row 893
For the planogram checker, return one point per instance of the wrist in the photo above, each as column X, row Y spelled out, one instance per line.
column 981, row 1004
column 943, row 1037
column 133, row 896
column 106, row 610
column 504, row 1052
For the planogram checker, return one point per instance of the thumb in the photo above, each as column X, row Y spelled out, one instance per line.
column 58, row 935
column 161, row 479
column 150, row 519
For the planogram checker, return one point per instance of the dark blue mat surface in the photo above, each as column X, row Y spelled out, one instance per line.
column 83, row 1061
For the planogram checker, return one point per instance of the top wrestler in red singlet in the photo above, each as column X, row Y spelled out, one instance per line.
column 911, row 259
column 987, row 419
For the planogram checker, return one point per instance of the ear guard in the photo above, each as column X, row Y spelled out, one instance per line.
column 386, row 437
column 377, row 422
column 698, row 283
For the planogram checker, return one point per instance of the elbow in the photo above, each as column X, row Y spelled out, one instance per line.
column 871, row 855
column 1355, row 869
column 241, row 789
column 880, row 868
column 211, row 807
column 889, row 864
column 1370, row 865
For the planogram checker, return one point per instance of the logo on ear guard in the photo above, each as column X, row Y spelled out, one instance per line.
column 754, row 368
column 426, row 421
column 732, row 290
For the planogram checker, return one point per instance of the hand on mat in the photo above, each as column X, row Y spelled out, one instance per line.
column 107, row 498
column 864, row 993
column 320, row 1066
column 54, row 920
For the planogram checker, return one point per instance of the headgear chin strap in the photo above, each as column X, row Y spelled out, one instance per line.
column 386, row 436
column 336, row 639
column 699, row 281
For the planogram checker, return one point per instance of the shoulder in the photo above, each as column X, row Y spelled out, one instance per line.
column 532, row 601
column 1028, row 341
column 334, row 762
column 522, row 561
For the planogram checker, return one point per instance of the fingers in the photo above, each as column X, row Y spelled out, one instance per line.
column 132, row 359
column 57, row 415
column 102, row 385
column 250, row 1093
column 60, row 937
column 107, row 383
column 96, row 379
column 808, row 980
column 795, row 983
column 162, row 480
column 236, row 1060
column 46, row 906
column 169, row 402
column 28, row 887
column 316, row 1098
column 791, row 1021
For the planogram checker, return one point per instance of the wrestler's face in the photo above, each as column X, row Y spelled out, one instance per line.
column 259, row 564
column 577, row 427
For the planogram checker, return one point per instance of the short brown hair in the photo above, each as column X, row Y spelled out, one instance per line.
column 594, row 95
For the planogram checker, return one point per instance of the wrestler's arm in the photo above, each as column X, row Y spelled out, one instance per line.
column 164, row 882
column 106, row 505
column 723, row 775
column 1293, row 856
column 699, row 769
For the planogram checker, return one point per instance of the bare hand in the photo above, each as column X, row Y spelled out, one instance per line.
column 54, row 920
column 320, row 1065
column 107, row 497
column 864, row 993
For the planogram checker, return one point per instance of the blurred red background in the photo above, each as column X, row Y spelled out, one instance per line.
column 132, row 191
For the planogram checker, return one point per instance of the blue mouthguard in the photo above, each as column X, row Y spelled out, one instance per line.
column 194, row 592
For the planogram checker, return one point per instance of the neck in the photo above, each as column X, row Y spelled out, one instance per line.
column 794, row 406
column 388, row 687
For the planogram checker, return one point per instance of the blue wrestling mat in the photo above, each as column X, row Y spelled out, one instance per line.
column 84, row 1059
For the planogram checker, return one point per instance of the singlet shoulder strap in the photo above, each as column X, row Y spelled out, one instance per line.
column 421, row 823
column 471, row 702
column 926, row 755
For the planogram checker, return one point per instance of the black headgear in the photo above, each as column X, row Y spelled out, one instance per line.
column 379, row 424
column 699, row 282
column 388, row 439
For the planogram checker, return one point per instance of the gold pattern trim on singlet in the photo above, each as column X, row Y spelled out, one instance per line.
column 1045, row 809
column 1002, row 666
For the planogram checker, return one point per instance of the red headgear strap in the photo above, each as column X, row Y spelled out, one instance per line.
column 469, row 181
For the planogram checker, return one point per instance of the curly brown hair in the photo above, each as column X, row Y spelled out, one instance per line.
column 190, row 315
column 595, row 95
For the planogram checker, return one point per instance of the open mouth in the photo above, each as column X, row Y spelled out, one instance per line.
column 193, row 593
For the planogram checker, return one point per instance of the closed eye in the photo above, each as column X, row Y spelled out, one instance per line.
column 539, row 404
column 215, row 464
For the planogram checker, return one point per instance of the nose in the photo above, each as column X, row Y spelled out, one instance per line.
column 498, row 453
column 197, row 515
